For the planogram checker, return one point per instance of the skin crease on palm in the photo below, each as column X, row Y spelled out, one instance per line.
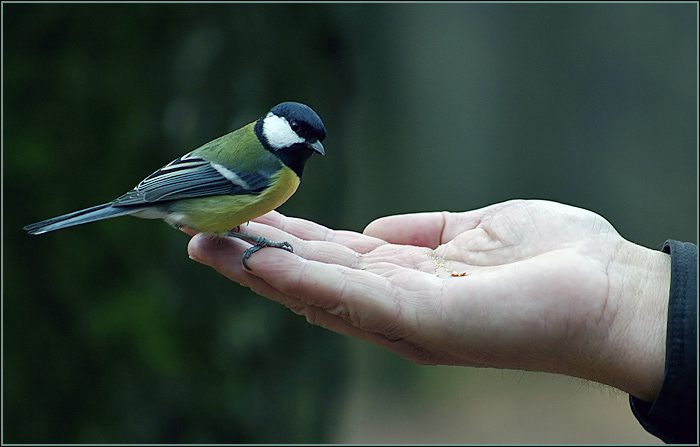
column 524, row 284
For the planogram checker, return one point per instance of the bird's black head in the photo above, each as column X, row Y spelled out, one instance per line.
column 292, row 131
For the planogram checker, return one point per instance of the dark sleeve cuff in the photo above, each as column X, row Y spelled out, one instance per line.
column 673, row 416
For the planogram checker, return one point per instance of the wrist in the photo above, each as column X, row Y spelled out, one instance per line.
column 639, row 285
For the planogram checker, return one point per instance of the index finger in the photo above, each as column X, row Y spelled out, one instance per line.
column 311, row 231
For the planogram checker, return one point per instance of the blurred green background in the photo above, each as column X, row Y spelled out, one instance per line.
column 110, row 333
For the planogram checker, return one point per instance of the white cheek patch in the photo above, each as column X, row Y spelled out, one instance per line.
column 278, row 133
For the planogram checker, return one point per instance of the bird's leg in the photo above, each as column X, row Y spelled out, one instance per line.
column 258, row 243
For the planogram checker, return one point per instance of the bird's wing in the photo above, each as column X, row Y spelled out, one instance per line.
column 191, row 176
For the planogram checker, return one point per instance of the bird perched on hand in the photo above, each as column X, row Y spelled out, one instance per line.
column 222, row 184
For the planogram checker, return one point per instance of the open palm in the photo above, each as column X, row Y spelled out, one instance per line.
column 520, row 284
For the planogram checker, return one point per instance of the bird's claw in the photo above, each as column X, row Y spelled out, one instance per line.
column 262, row 243
column 258, row 243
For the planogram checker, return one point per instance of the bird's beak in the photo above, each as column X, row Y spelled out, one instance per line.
column 318, row 147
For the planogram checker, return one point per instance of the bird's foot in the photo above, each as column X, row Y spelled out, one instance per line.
column 258, row 243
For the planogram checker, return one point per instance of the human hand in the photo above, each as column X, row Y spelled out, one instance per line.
column 530, row 285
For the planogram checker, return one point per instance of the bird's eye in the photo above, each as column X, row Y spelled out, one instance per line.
column 295, row 126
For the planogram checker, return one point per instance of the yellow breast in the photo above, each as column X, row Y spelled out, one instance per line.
column 219, row 214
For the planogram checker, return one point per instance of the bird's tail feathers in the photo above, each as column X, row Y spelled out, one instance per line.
column 99, row 212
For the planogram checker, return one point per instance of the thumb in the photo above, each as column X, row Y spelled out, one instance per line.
column 420, row 229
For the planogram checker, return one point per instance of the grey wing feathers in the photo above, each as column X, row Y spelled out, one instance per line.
column 190, row 176
column 187, row 177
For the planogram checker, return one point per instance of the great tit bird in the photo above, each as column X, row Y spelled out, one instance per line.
column 223, row 184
